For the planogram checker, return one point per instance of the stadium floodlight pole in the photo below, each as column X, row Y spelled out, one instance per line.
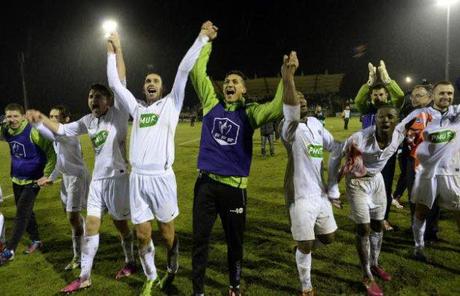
column 447, row 4
column 23, row 79
column 109, row 26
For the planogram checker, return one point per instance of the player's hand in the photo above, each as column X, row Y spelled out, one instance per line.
column 208, row 29
column 372, row 75
column 336, row 203
column 44, row 181
column 384, row 73
column 113, row 42
column 33, row 116
column 290, row 65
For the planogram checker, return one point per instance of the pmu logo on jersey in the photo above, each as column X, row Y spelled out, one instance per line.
column 441, row 136
column 315, row 151
column 99, row 139
column 148, row 119
column 225, row 131
column 18, row 149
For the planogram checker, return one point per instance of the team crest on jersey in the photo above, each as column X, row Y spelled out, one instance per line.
column 315, row 151
column 18, row 149
column 441, row 136
column 225, row 131
column 99, row 139
column 148, row 119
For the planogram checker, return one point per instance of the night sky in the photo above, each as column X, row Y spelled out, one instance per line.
column 65, row 50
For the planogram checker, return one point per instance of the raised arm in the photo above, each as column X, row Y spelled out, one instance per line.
column 200, row 79
column 208, row 31
column 116, row 74
column 44, row 131
column 291, row 107
column 395, row 92
column 75, row 128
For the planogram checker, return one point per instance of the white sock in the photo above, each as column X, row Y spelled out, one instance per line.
column 2, row 228
column 147, row 256
column 304, row 268
column 375, row 239
column 127, row 243
column 418, row 228
column 90, row 244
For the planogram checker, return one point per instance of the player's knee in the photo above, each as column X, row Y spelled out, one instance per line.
column 327, row 238
column 363, row 229
column 143, row 235
column 305, row 246
column 92, row 225
column 421, row 212
column 74, row 218
column 377, row 226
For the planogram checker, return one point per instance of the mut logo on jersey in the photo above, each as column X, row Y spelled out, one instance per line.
column 148, row 119
column 225, row 131
column 18, row 149
column 99, row 139
column 315, row 151
column 441, row 136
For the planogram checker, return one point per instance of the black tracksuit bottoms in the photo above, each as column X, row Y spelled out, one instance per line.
column 212, row 198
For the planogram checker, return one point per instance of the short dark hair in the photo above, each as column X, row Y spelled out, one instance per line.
column 442, row 82
column 63, row 111
column 104, row 90
column 15, row 107
column 387, row 106
column 239, row 73
column 378, row 86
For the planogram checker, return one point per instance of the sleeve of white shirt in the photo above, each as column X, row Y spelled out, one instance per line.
column 54, row 175
column 122, row 95
column 185, row 66
column 75, row 128
column 335, row 148
column 291, row 121
column 44, row 131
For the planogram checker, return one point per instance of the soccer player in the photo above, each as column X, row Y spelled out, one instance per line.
column 438, row 157
column 153, row 189
column 106, row 126
column 32, row 161
column 75, row 179
column 369, row 97
column 367, row 151
column 309, row 207
column 224, row 160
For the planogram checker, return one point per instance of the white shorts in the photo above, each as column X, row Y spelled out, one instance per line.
column 111, row 194
column 367, row 198
column 445, row 188
column 74, row 192
column 153, row 197
column 310, row 216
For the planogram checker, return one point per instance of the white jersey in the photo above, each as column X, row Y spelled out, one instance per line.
column 374, row 158
column 152, row 137
column 439, row 153
column 305, row 142
column 108, row 136
column 68, row 153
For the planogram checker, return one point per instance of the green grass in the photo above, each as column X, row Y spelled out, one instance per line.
column 269, row 263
